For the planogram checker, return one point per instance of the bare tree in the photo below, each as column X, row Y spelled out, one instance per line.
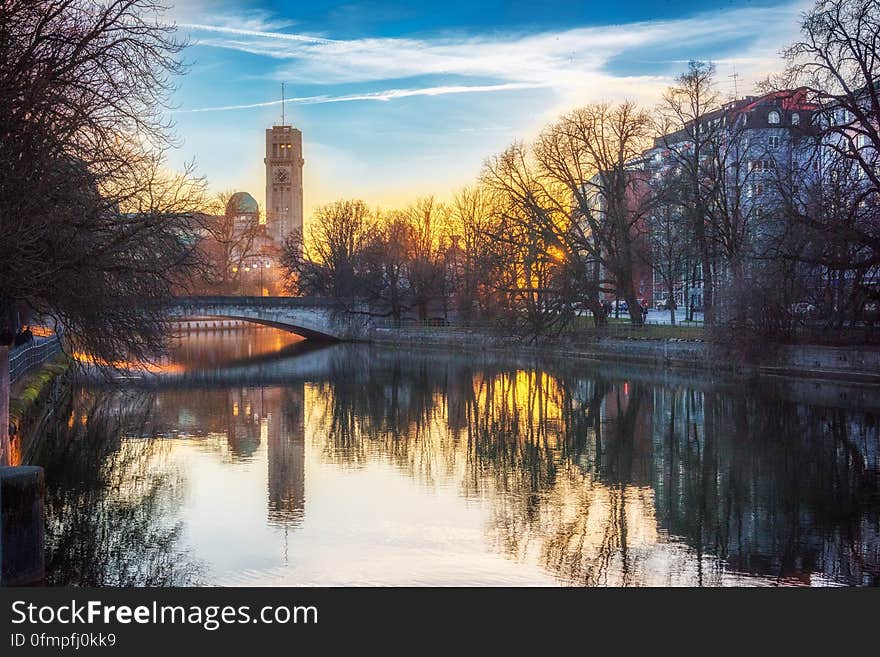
column 426, row 269
column 470, row 230
column 384, row 278
column 690, row 138
column 93, row 225
column 838, row 62
column 326, row 263
column 589, row 154
column 669, row 234
column 526, row 245
column 823, row 243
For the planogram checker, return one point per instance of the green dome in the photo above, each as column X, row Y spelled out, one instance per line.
column 242, row 203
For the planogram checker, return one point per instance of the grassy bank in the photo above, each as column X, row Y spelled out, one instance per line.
column 581, row 328
column 623, row 328
column 29, row 395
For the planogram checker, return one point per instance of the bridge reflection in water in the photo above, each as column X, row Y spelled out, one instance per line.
column 354, row 464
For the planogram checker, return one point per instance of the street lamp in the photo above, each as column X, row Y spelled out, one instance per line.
column 268, row 265
column 241, row 281
column 260, row 263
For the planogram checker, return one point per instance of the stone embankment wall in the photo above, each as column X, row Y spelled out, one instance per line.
column 845, row 363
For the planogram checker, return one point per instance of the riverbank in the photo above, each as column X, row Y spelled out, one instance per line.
column 32, row 399
column 852, row 364
column 462, row 449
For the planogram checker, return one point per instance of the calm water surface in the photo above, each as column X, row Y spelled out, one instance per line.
column 256, row 459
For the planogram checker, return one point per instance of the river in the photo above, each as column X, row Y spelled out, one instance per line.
column 255, row 458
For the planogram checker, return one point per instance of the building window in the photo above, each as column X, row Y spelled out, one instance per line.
column 773, row 118
column 773, row 141
column 795, row 119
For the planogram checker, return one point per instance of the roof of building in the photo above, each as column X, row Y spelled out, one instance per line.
column 788, row 100
column 242, row 203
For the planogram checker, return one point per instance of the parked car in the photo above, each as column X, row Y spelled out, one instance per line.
column 666, row 304
column 623, row 306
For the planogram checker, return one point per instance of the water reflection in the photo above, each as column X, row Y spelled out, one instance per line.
column 239, row 423
column 428, row 468
column 111, row 501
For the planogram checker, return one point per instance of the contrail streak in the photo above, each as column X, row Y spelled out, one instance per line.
column 389, row 94
column 256, row 33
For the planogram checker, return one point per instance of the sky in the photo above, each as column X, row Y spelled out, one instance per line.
column 402, row 99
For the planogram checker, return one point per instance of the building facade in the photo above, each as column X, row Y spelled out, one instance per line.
column 755, row 151
column 284, row 182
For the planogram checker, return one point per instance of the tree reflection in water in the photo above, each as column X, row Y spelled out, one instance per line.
column 597, row 475
column 610, row 481
column 108, row 498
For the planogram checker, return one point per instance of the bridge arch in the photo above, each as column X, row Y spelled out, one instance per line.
column 310, row 334
column 317, row 319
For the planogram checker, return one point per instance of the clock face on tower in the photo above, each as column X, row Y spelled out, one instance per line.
column 281, row 175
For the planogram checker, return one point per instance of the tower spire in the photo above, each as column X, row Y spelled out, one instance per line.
column 735, row 77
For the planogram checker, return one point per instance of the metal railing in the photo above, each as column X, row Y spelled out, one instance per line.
column 244, row 300
column 25, row 358
column 579, row 326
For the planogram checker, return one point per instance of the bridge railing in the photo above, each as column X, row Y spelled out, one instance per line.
column 274, row 302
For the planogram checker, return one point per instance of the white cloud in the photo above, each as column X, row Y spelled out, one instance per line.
column 549, row 58
column 554, row 72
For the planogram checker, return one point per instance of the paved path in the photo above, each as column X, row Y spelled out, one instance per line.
column 662, row 316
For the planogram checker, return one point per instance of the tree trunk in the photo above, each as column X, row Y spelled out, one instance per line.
column 699, row 219
column 637, row 317
column 593, row 300
column 598, row 312
column 686, row 298
column 708, row 286
column 670, row 301
column 736, row 274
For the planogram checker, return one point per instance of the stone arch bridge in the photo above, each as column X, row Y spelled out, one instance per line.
column 310, row 317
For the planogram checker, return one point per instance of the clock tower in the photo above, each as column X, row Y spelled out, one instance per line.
column 284, row 183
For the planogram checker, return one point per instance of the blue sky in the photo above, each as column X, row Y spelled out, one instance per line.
column 400, row 99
